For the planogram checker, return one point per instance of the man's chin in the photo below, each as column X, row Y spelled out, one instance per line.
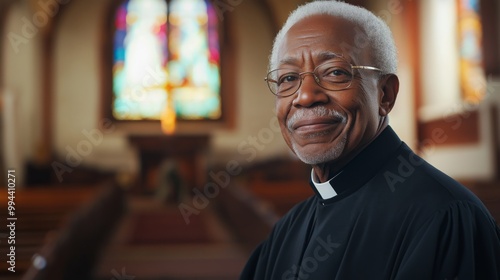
column 313, row 160
column 313, row 154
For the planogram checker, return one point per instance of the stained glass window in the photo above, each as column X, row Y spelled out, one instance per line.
column 472, row 76
column 166, row 60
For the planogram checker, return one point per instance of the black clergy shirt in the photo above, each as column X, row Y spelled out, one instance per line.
column 391, row 216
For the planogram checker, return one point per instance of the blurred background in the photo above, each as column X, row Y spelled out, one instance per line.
column 143, row 138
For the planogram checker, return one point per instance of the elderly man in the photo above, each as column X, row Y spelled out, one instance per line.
column 380, row 211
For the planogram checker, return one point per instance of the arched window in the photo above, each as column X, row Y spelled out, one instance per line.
column 166, row 61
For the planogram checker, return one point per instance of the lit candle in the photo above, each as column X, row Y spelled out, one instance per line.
column 168, row 117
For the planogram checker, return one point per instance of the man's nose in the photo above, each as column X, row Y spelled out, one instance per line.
column 309, row 92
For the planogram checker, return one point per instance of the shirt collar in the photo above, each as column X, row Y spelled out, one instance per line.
column 325, row 190
column 360, row 169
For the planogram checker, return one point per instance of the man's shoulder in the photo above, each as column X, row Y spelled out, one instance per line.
column 418, row 180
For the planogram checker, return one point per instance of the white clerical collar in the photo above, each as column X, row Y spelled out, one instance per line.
column 325, row 189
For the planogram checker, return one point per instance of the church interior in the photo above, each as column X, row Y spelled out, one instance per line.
column 139, row 140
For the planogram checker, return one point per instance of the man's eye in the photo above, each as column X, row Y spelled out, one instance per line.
column 288, row 78
column 336, row 75
column 336, row 72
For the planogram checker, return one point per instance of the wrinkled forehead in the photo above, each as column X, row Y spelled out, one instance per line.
column 320, row 37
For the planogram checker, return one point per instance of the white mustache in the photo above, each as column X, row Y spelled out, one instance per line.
column 314, row 112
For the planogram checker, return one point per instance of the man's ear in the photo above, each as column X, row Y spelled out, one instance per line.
column 389, row 88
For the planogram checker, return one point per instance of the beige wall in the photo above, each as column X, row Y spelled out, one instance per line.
column 77, row 90
column 21, row 63
column 402, row 116
column 255, row 104
column 439, row 57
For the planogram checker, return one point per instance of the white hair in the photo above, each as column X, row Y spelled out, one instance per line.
column 376, row 33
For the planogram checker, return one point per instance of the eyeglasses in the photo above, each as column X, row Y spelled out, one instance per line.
column 332, row 75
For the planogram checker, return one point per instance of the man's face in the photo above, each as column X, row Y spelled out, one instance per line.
column 319, row 125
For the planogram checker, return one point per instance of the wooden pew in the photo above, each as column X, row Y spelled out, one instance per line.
column 39, row 212
column 74, row 251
